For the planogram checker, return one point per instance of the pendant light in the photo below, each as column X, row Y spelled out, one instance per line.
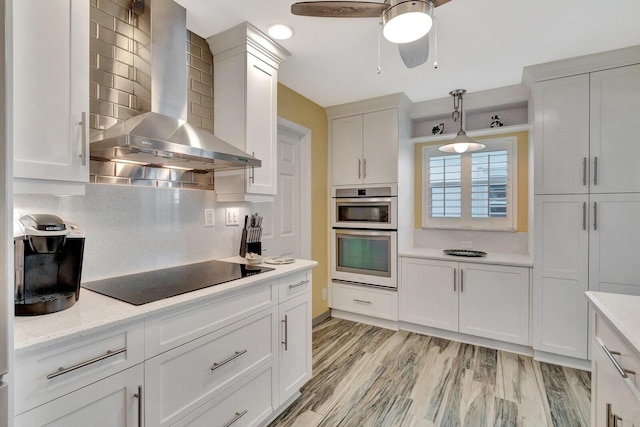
column 461, row 143
column 407, row 21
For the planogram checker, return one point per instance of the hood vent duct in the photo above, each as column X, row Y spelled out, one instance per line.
column 162, row 138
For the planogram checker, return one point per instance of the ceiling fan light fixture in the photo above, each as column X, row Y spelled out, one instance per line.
column 407, row 21
column 280, row 31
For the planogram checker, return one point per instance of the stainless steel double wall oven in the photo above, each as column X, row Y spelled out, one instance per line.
column 364, row 235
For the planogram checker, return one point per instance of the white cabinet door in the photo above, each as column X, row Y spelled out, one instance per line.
column 380, row 147
column 561, row 135
column 428, row 293
column 346, row 158
column 295, row 345
column 51, row 94
column 615, row 102
column 261, row 131
column 111, row 402
column 494, row 302
column 560, row 274
column 613, row 243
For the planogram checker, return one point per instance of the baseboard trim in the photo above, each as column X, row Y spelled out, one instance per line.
column 558, row 359
column 321, row 318
column 361, row 318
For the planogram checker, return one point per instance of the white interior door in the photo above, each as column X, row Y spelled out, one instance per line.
column 286, row 224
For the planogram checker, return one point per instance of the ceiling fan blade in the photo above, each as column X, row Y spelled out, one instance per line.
column 414, row 53
column 339, row 9
column 437, row 3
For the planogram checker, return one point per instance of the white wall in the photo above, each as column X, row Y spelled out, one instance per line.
column 132, row 229
column 488, row 241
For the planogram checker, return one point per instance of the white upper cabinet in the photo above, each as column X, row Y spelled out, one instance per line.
column 245, row 109
column 615, row 103
column 365, row 148
column 50, row 96
column 561, row 135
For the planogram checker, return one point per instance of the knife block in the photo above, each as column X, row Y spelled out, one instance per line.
column 255, row 247
column 246, row 247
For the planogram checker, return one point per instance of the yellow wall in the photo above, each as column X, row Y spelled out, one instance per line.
column 294, row 107
column 523, row 177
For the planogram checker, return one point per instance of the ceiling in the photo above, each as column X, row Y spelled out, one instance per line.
column 481, row 44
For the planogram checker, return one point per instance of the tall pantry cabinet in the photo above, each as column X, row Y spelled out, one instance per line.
column 586, row 200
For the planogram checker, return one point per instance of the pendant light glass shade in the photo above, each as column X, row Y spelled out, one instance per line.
column 461, row 143
column 407, row 21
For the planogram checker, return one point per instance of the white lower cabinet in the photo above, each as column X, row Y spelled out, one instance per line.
column 365, row 300
column 295, row 345
column 490, row 301
column 615, row 399
column 113, row 401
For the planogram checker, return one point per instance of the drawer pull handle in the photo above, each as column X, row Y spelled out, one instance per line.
column 614, row 361
column 83, row 141
column 62, row 370
column 236, row 417
column 138, row 396
column 362, row 301
column 237, row 354
column 297, row 285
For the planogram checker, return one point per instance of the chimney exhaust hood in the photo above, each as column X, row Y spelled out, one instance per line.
column 162, row 137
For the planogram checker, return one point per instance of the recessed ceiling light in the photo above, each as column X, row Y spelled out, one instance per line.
column 280, row 31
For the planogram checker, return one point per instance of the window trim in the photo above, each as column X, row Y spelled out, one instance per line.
column 509, row 223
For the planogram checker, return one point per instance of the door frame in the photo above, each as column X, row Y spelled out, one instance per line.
column 304, row 136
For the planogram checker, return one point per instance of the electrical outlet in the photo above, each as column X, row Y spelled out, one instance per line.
column 209, row 217
column 466, row 244
column 232, row 217
column 324, row 294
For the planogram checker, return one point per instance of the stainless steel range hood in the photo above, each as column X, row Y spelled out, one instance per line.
column 162, row 137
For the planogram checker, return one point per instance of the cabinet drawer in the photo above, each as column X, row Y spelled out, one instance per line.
column 365, row 300
column 607, row 336
column 186, row 377
column 184, row 325
column 294, row 284
column 45, row 375
column 236, row 404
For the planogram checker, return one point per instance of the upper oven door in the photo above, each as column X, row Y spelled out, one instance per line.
column 369, row 212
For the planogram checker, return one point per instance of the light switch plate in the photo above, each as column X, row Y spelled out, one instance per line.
column 209, row 217
column 232, row 217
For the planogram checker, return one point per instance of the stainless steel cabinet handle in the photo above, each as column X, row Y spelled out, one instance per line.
column 614, row 361
column 584, row 215
column 461, row 280
column 362, row 301
column 454, row 280
column 235, row 418
column 138, row 396
column 584, row 171
column 108, row 354
column 364, row 168
column 595, row 215
column 286, row 333
column 253, row 169
column 297, row 285
column 609, row 415
column 237, row 354
column 595, row 170
column 83, row 123
column 359, row 168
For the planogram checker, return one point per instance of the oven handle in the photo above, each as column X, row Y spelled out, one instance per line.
column 356, row 232
column 363, row 200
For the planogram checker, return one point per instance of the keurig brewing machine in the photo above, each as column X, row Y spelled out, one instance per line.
column 48, row 264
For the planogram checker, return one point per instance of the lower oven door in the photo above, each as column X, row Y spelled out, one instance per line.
column 365, row 256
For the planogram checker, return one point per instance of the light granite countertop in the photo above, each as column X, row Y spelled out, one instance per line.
column 496, row 258
column 623, row 312
column 94, row 312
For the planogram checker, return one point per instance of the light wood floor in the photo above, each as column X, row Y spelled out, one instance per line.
column 367, row 376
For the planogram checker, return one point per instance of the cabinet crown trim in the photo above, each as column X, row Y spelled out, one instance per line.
column 247, row 36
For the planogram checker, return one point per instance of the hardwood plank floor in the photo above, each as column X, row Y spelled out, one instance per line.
column 368, row 376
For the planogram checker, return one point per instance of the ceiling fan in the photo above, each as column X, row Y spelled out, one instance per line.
column 405, row 22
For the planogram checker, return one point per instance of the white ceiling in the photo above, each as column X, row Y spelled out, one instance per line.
column 481, row 44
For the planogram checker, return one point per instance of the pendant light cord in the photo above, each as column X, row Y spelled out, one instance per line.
column 435, row 42
column 378, row 68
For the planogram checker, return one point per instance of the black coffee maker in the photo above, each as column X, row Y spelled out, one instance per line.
column 48, row 264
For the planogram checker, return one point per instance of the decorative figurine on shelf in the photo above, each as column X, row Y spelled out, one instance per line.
column 438, row 129
column 496, row 122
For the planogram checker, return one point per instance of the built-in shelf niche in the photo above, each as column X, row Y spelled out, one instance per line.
column 514, row 114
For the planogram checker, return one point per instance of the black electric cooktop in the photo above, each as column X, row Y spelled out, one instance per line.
column 141, row 288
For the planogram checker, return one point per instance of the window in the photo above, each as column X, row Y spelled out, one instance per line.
column 470, row 190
